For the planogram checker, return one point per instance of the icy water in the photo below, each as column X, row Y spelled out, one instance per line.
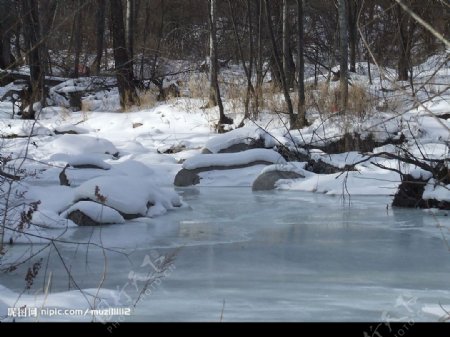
column 275, row 256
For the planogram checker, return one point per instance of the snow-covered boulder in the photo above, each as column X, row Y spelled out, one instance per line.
column 81, row 144
column 271, row 174
column 89, row 213
column 131, row 197
column 82, row 160
column 436, row 195
column 232, row 160
column 239, row 140
column 188, row 176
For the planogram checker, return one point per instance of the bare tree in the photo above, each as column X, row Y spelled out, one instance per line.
column 248, row 70
column 214, row 93
column 259, row 57
column 77, row 31
column 47, row 9
column 123, row 65
column 344, row 56
column 301, row 118
column 406, row 26
column 212, row 54
column 277, row 58
column 6, row 23
column 286, row 44
column 354, row 7
column 30, row 19
column 100, row 7
column 129, row 27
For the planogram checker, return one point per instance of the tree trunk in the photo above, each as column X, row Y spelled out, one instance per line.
column 286, row 48
column 77, row 39
column 31, row 29
column 160, row 40
column 123, row 66
column 276, row 56
column 47, row 10
column 259, row 59
column 247, row 70
column 212, row 54
column 144, row 39
column 99, row 35
column 214, row 94
column 301, row 117
column 344, row 57
column 353, row 8
column 130, row 28
column 403, row 60
column 7, row 22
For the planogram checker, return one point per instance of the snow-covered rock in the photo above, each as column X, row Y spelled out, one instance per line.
column 436, row 191
column 132, row 197
column 97, row 214
column 82, row 160
column 81, row 144
column 270, row 175
column 188, row 176
column 246, row 137
column 234, row 159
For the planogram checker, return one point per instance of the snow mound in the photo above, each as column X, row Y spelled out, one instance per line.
column 70, row 128
column 245, row 135
column 81, row 160
column 81, row 144
column 288, row 167
column 50, row 219
column 436, row 192
column 97, row 212
column 130, row 196
column 233, row 159
column 431, row 151
column 22, row 128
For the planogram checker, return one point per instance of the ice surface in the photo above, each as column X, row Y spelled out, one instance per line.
column 314, row 259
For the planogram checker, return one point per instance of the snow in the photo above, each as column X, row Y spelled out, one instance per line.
column 345, row 184
column 339, row 160
column 96, row 211
column 433, row 190
column 232, row 159
column 421, row 174
column 288, row 167
column 49, row 219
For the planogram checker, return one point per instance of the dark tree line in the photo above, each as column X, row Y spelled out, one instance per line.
column 276, row 36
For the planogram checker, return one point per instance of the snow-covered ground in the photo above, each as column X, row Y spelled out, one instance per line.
column 122, row 165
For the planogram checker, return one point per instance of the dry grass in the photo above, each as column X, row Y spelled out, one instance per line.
column 64, row 113
column 198, row 86
column 325, row 99
column 272, row 98
column 147, row 99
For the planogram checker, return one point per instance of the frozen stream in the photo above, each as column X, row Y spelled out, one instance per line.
column 277, row 256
